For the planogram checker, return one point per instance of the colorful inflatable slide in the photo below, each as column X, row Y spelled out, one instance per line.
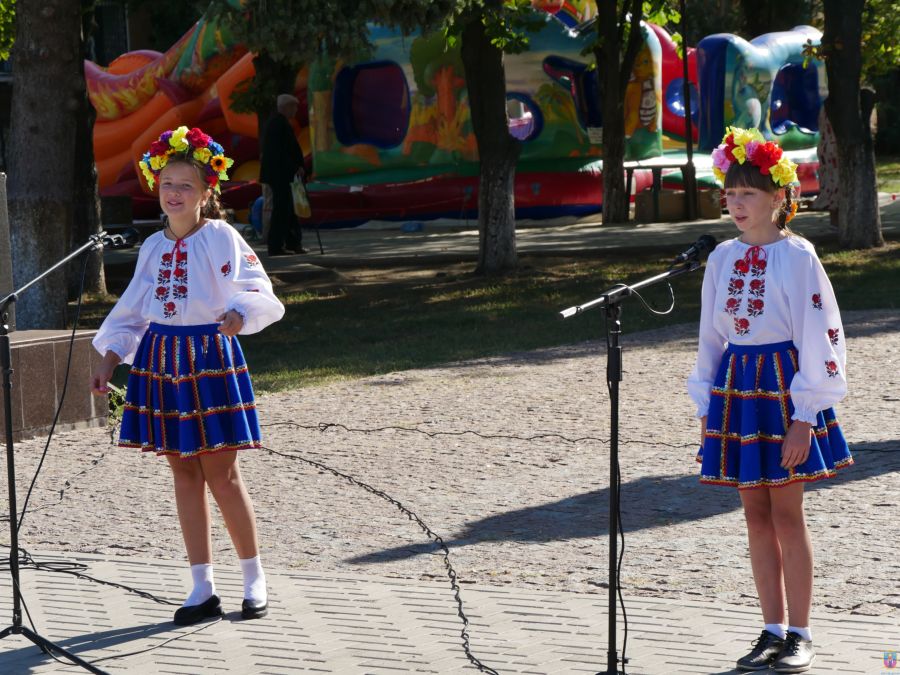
column 391, row 137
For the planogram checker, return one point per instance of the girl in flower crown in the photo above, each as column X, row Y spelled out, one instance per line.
column 770, row 366
column 196, row 285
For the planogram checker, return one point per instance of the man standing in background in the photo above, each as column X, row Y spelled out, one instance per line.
column 281, row 159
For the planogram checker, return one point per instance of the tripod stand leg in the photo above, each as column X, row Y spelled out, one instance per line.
column 48, row 646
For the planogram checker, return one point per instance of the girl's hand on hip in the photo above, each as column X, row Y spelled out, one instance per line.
column 231, row 323
column 795, row 446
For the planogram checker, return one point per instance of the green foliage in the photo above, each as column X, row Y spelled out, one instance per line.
column 881, row 28
column 507, row 22
column 7, row 27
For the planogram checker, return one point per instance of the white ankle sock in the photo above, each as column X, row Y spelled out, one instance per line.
column 805, row 633
column 254, row 580
column 778, row 629
column 204, row 586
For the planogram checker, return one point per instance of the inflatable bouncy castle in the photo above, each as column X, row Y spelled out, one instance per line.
column 390, row 138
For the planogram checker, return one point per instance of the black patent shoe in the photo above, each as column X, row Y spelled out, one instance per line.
column 252, row 610
column 766, row 649
column 185, row 616
column 796, row 656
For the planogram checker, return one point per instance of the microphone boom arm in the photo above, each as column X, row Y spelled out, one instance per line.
column 619, row 292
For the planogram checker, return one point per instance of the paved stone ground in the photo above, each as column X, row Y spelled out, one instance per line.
column 349, row 623
column 507, row 459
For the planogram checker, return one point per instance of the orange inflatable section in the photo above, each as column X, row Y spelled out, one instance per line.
column 244, row 124
column 127, row 63
column 113, row 137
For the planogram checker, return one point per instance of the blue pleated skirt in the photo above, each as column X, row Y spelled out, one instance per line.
column 189, row 392
column 749, row 412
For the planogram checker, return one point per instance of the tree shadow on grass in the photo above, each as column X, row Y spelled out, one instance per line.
column 587, row 515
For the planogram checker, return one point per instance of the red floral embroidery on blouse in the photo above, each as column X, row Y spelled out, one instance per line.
column 754, row 262
column 834, row 335
column 831, row 368
column 226, row 269
column 758, row 287
column 165, row 275
column 755, row 307
column 816, row 301
column 252, row 260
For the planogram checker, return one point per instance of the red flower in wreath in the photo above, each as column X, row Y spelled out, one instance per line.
column 816, row 301
column 831, row 368
column 741, row 326
column 834, row 335
column 766, row 156
column 195, row 137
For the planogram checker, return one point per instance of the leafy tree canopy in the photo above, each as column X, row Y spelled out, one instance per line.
column 7, row 26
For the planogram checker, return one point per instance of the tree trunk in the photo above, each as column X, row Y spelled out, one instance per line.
column 859, row 220
column 614, row 64
column 86, row 197
column 6, row 282
column 271, row 79
column 498, row 151
column 41, row 158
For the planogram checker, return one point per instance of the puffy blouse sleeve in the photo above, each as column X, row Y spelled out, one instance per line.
column 125, row 325
column 250, row 290
column 712, row 342
column 819, row 337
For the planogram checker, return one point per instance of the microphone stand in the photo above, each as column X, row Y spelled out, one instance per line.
column 95, row 242
column 611, row 302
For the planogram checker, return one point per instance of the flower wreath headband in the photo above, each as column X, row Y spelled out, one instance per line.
column 188, row 144
column 748, row 145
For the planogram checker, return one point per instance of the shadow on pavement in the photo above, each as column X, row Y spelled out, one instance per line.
column 587, row 515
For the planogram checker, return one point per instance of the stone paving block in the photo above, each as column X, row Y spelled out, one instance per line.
column 354, row 624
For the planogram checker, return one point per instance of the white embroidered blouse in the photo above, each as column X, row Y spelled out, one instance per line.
column 755, row 295
column 190, row 282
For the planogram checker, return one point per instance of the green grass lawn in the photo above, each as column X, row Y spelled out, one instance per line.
column 351, row 329
column 888, row 169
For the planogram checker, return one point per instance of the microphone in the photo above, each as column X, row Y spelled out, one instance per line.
column 703, row 245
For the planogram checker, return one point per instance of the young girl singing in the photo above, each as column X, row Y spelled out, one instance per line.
column 770, row 366
column 196, row 285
